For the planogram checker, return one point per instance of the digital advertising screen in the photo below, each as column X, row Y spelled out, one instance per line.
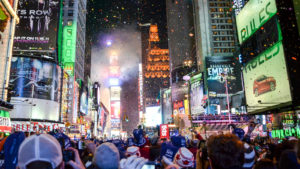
column 36, row 88
column 35, row 78
column 115, row 93
column 84, row 106
column 179, row 91
column 267, row 88
column 153, row 116
column 254, row 14
column 115, row 109
column 196, row 94
column 37, row 30
column 215, row 66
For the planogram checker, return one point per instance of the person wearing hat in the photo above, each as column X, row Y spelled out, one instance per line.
column 225, row 151
column 106, row 156
column 155, row 148
column 184, row 158
column 44, row 151
column 133, row 150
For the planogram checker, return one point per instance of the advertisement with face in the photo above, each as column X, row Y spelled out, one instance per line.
column 34, row 78
column 218, row 68
column 36, row 88
column 267, row 88
column 37, row 30
column 196, row 94
column 84, row 101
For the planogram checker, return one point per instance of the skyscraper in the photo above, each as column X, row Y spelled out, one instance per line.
column 155, row 69
column 215, row 30
column 74, row 15
column 216, row 44
column 181, row 40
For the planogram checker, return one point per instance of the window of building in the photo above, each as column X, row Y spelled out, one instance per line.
column 71, row 3
column 70, row 12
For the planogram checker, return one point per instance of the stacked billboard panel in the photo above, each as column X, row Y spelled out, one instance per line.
column 219, row 70
column 265, row 72
column 36, row 89
column 196, row 94
column 37, row 30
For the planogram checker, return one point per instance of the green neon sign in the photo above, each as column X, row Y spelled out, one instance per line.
column 69, row 43
column 253, row 16
column 69, row 47
column 196, row 78
column 282, row 133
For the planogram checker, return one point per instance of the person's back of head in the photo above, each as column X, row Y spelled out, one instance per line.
column 264, row 164
column 288, row 160
column 106, row 156
column 225, row 151
column 40, row 152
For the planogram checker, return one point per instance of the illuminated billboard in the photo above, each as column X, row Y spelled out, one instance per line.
column 36, row 89
column 267, row 88
column 114, row 81
column 84, row 106
column 196, row 94
column 37, row 30
column 35, row 78
column 115, row 109
column 215, row 66
column 153, row 116
column 254, row 14
column 115, row 93
column 69, row 47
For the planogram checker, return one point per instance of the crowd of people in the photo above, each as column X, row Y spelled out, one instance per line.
column 235, row 150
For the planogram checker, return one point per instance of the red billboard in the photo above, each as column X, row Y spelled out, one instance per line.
column 164, row 131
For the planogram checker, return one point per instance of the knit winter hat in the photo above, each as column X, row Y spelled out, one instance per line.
column 249, row 156
column 184, row 158
column 239, row 132
column 168, row 150
column 107, row 156
column 133, row 150
column 178, row 141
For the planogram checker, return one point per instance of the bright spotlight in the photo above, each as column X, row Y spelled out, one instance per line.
column 108, row 43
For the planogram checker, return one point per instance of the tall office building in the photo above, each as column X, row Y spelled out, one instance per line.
column 182, row 51
column 216, row 44
column 74, row 14
column 155, row 69
column 181, row 39
column 215, row 30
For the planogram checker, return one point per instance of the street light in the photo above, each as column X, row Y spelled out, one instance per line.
column 224, row 74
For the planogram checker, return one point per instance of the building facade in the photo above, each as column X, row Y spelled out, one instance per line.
column 215, row 30
column 181, row 38
column 155, row 69
column 74, row 14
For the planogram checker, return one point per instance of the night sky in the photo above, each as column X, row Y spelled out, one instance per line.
column 105, row 16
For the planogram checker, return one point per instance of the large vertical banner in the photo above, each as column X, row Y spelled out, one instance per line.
column 267, row 88
column 37, row 30
column 36, row 88
column 230, row 68
column 196, row 94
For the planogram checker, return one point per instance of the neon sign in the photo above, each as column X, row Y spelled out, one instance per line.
column 282, row 133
